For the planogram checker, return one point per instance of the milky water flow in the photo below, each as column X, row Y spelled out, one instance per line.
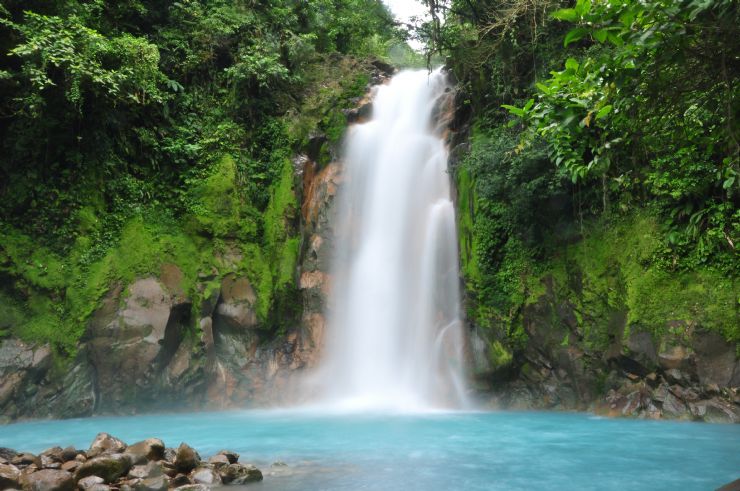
column 394, row 337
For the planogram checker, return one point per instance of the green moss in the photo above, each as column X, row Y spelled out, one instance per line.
column 615, row 277
column 217, row 207
column 498, row 355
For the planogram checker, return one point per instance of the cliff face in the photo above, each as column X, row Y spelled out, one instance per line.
column 165, row 341
column 583, row 314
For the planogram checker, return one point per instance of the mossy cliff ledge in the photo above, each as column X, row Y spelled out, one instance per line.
column 219, row 306
column 585, row 310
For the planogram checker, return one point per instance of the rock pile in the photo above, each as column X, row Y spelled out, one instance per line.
column 111, row 465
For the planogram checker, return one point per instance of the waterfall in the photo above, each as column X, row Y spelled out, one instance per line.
column 394, row 339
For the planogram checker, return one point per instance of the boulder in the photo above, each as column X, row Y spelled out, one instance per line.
column 69, row 453
column 240, row 474
column 26, row 459
column 152, row 469
column 9, row 476
column 673, row 407
column 232, row 457
column 109, row 467
column 205, row 475
column 154, row 483
column 88, row 482
column 132, row 339
column 676, row 357
column 105, row 444
column 149, row 449
column 7, row 454
column 218, row 460
column 186, row 458
column 180, row 480
column 70, row 466
column 48, row 480
column 236, row 308
column 716, row 359
column 51, row 458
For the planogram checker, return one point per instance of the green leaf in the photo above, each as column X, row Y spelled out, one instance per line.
column 569, row 15
column 728, row 182
column 614, row 39
column 543, row 88
column 571, row 64
column 604, row 111
column 514, row 110
column 601, row 35
column 529, row 105
column 574, row 35
column 582, row 7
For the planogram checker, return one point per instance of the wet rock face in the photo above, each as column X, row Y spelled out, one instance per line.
column 638, row 375
column 130, row 345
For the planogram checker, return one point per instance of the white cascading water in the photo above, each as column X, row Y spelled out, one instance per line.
column 394, row 339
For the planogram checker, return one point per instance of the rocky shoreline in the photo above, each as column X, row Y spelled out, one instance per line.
column 112, row 465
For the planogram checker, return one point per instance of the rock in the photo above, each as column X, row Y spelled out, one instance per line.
column 677, row 357
column 25, row 459
column 168, row 468
column 240, row 474
column 109, row 467
column 51, row 458
column 642, row 349
column 152, row 469
column 169, row 454
column 68, row 454
column 676, row 376
column 232, row 456
column 186, row 458
column 193, row 487
column 180, row 480
column 236, row 308
column 88, row 482
column 715, row 359
column 132, row 338
column 715, row 411
column 733, row 486
column 149, row 449
column 672, row 406
column 154, row 483
column 218, row 460
column 9, row 476
column 49, row 480
column 70, row 466
column 205, row 475
column 105, row 444
column 7, row 453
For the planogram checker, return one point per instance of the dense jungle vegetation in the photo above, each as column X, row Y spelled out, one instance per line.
column 140, row 132
column 603, row 162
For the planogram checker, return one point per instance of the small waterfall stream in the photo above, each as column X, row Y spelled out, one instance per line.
column 394, row 339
